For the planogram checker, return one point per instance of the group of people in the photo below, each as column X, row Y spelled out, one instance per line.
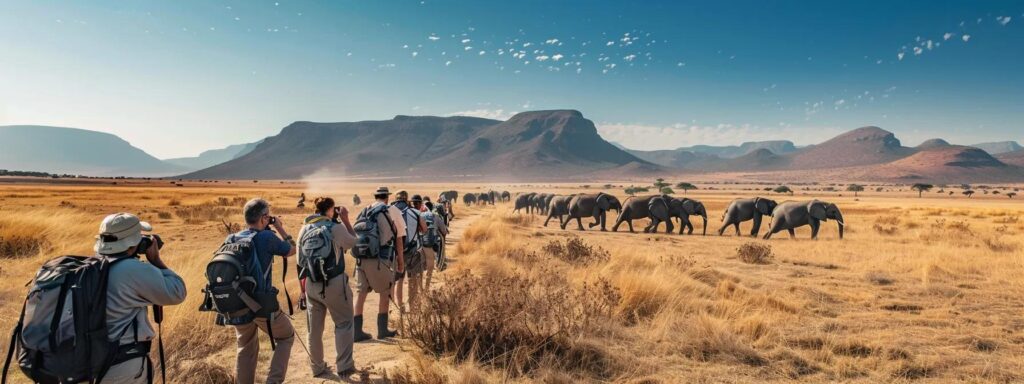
column 397, row 245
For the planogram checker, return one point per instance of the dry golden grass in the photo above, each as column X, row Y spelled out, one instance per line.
column 920, row 289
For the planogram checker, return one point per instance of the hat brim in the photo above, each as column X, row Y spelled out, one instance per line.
column 121, row 245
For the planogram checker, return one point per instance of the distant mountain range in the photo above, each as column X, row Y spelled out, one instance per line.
column 999, row 147
column 76, row 151
column 557, row 144
column 528, row 145
column 214, row 156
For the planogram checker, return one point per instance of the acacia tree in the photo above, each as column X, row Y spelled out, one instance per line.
column 921, row 188
column 685, row 186
column 1011, row 194
column 660, row 183
column 667, row 191
column 855, row 188
column 968, row 193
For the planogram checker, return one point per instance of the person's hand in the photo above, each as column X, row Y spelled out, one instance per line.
column 153, row 255
column 277, row 223
column 342, row 213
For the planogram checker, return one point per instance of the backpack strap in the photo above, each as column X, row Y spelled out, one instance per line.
column 158, row 317
column 15, row 335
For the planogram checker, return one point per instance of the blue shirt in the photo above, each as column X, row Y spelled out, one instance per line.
column 268, row 245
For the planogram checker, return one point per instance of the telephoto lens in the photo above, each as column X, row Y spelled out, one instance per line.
column 147, row 241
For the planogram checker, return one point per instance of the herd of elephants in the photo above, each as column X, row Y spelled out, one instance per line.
column 663, row 209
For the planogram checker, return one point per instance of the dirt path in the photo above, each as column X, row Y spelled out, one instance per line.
column 371, row 357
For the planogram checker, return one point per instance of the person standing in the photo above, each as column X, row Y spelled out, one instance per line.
column 413, row 257
column 433, row 240
column 132, row 287
column 326, row 285
column 377, row 274
column 279, row 327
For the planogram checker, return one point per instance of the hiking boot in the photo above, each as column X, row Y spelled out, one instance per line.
column 359, row 334
column 382, row 327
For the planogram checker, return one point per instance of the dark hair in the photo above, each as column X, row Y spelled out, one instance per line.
column 255, row 209
column 430, row 206
column 323, row 204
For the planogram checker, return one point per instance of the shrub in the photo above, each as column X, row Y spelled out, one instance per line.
column 516, row 322
column 576, row 252
column 755, row 253
column 173, row 202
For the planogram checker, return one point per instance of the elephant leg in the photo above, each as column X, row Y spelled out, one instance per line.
column 565, row 222
column 604, row 221
column 579, row 223
column 547, row 220
column 724, row 226
column 630, row 222
column 669, row 227
column 815, row 225
column 792, row 233
column 757, row 226
column 653, row 226
column 775, row 228
column 737, row 225
column 618, row 222
column 689, row 227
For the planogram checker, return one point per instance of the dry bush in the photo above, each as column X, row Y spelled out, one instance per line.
column 707, row 339
column 1008, row 220
column 755, row 253
column 164, row 215
column 173, row 202
column 517, row 322
column 887, row 225
column 574, row 251
column 878, row 278
column 199, row 214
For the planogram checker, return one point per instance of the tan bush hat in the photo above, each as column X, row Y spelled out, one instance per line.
column 118, row 232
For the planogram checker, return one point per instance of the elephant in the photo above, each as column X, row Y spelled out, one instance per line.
column 469, row 199
column 538, row 202
column 448, row 195
column 636, row 207
column 792, row 214
column 493, row 196
column 741, row 210
column 506, row 197
column 559, row 207
column 524, row 201
column 594, row 205
column 547, row 203
column 683, row 209
column 484, row 198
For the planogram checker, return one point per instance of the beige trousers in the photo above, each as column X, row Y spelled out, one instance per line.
column 336, row 299
column 249, row 349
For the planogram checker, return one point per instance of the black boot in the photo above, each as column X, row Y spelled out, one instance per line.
column 359, row 334
column 382, row 327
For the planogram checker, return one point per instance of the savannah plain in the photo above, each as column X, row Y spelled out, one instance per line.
column 920, row 289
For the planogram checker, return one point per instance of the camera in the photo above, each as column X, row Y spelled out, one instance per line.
column 147, row 241
column 272, row 220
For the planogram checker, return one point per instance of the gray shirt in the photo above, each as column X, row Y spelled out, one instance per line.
column 132, row 287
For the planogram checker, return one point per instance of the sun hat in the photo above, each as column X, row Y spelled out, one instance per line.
column 402, row 196
column 118, row 232
column 417, row 199
column 382, row 191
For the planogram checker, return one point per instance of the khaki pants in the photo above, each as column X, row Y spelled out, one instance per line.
column 429, row 260
column 130, row 372
column 336, row 299
column 375, row 275
column 249, row 349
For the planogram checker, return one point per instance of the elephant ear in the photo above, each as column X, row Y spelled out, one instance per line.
column 602, row 201
column 658, row 207
column 817, row 210
column 762, row 206
column 689, row 206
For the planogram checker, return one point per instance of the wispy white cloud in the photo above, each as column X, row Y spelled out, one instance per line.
column 651, row 137
column 496, row 114
column 1003, row 20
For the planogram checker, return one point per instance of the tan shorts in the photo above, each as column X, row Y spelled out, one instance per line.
column 429, row 258
column 414, row 264
column 374, row 275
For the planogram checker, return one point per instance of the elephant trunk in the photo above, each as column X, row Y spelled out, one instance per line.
column 840, row 222
column 705, row 233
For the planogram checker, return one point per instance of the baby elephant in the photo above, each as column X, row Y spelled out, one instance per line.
column 792, row 214
column 741, row 210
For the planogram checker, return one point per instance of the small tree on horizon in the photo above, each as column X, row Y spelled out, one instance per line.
column 685, row 186
column 667, row 191
column 968, row 193
column 921, row 188
column 855, row 188
column 1011, row 194
column 660, row 183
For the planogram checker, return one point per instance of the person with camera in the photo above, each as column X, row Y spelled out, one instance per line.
column 323, row 239
column 267, row 245
column 437, row 231
column 132, row 287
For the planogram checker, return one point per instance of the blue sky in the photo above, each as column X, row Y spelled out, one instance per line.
column 178, row 77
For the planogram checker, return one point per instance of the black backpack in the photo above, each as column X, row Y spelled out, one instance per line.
column 233, row 292
column 62, row 333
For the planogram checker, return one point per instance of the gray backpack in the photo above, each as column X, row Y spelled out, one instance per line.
column 317, row 260
column 368, row 244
